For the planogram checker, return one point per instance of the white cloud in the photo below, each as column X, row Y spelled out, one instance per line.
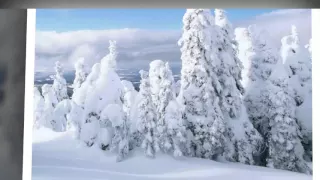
column 137, row 47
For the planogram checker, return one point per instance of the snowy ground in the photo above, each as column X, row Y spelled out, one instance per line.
column 58, row 156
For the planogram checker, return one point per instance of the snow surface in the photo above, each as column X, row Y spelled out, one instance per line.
column 56, row 155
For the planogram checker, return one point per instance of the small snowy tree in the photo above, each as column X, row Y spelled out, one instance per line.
column 59, row 83
column 285, row 150
column 129, row 105
column 38, row 108
column 199, row 84
column 120, row 140
column 60, row 115
column 129, row 96
column 147, row 117
column 80, row 74
column 50, row 102
column 178, row 87
column 74, row 118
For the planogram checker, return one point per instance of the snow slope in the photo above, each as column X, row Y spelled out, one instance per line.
column 57, row 156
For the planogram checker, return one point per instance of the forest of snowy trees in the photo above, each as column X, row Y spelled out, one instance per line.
column 239, row 99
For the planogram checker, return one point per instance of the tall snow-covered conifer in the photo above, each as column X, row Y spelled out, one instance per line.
column 162, row 93
column 243, row 139
column 146, row 124
column 199, row 84
column 285, row 150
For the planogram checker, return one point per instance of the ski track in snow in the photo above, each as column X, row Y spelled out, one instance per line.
column 61, row 157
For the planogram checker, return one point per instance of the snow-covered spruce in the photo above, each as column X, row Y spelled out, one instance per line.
column 296, row 60
column 80, row 95
column 129, row 107
column 243, row 140
column 80, row 74
column 285, row 150
column 197, row 96
column 298, row 64
column 162, row 93
column 120, row 140
column 129, row 95
column 59, row 83
column 146, row 124
column 38, row 108
column 230, row 45
column 260, row 58
column 50, row 102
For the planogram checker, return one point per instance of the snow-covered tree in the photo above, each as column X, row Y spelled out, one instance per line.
column 120, row 140
column 260, row 58
column 106, row 89
column 38, row 107
column 60, row 113
column 80, row 95
column 80, row 74
column 285, row 150
column 162, row 92
column 50, row 102
column 241, row 145
column 199, row 83
column 146, row 124
column 297, row 62
column 59, row 83
column 229, row 44
column 178, row 87
column 245, row 51
column 74, row 118
column 129, row 95
column 298, row 65
column 176, row 128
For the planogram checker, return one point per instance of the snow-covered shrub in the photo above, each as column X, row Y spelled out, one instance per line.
column 38, row 108
column 59, row 83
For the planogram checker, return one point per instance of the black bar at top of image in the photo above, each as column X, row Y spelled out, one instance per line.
column 159, row 3
column 13, row 24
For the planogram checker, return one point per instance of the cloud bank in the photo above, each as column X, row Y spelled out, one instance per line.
column 138, row 47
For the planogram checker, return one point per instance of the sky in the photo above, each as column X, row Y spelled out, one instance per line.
column 142, row 35
column 62, row 20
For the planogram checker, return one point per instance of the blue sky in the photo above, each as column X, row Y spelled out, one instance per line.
column 62, row 20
